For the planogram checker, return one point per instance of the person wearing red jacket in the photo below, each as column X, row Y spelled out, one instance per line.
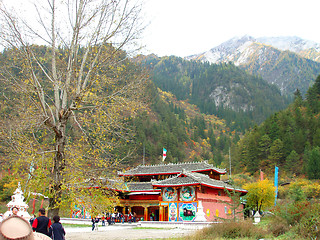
column 42, row 223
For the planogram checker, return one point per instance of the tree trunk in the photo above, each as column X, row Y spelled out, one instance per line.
column 58, row 166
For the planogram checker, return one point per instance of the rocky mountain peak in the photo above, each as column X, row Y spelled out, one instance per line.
column 288, row 62
column 291, row 43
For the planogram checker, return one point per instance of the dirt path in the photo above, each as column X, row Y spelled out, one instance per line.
column 124, row 232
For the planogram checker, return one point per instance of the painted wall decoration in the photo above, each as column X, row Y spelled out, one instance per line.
column 79, row 211
column 187, row 193
column 169, row 194
column 208, row 212
column 173, row 212
column 187, row 211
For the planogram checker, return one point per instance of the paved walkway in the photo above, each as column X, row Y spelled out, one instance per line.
column 121, row 231
column 125, row 231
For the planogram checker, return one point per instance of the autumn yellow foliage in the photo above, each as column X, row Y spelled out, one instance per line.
column 261, row 194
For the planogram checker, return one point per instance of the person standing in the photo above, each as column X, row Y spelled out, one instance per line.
column 93, row 220
column 57, row 231
column 122, row 218
column 32, row 219
column 113, row 218
column 103, row 220
column 42, row 223
column 94, row 223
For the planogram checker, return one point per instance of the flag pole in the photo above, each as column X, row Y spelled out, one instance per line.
column 230, row 163
column 143, row 160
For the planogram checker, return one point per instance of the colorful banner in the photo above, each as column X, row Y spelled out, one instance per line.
column 187, row 211
column 173, row 212
column 78, row 211
column 276, row 172
column 164, row 154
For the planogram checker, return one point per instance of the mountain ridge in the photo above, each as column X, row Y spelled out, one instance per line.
column 291, row 43
column 287, row 62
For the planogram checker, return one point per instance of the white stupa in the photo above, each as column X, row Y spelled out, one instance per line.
column 17, row 201
column 200, row 215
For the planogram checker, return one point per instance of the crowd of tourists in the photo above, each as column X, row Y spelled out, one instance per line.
column 112, row 218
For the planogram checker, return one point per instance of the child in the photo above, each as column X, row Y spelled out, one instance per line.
column 57, row 231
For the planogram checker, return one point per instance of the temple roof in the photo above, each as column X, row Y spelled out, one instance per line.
column 119, row 185
column 171, row 168
column 141, row 187
column 192, row 178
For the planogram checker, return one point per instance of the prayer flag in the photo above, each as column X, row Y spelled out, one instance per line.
column 261, row 175
column 276, row 172
column 164, row 154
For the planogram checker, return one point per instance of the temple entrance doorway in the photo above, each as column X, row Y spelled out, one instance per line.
column 138, row 211
column 153, row 213
column 118, row 209
column 166, row 213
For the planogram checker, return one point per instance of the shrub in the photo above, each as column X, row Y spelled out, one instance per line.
column 231, row 230
column 298, row 218
column 309, row 225
column 312, row 190
column 278, row 226
column 292, row 212
column 7, row 187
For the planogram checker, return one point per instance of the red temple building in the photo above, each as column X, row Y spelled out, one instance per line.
column 173, row 192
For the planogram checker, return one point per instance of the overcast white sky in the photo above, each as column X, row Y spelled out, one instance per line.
column 185, row 27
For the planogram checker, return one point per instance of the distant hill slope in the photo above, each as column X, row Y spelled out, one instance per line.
column 223, row 90
column 180, row 127
column 290, row 63
column 289, row 139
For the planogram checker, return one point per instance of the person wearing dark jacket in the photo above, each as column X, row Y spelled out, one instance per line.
column 57, row 231
column 42, row 223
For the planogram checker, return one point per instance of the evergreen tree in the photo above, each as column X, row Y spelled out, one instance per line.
column 313, row 96
column 292, row 161
column 316, row 138
column 276, row 151
column 264, row 147
column 313, row 168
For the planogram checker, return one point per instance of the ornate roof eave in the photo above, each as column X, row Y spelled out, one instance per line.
column 158, row 169
column 177, row 185
column 156, row 191
column 147, row 174
column 142, row 191
column 202, row 184
column 197, row 179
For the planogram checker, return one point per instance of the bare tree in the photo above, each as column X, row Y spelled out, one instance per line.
column 74, row 94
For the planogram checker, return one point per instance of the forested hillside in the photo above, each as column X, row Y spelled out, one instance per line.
column 164, row 122
column 289, row 139
column 223, row 90
column 179, row 127
column 197, row 111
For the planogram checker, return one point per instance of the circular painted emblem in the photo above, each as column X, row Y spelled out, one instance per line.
column 208, row 212
column 187, row 193
column 169, row 194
